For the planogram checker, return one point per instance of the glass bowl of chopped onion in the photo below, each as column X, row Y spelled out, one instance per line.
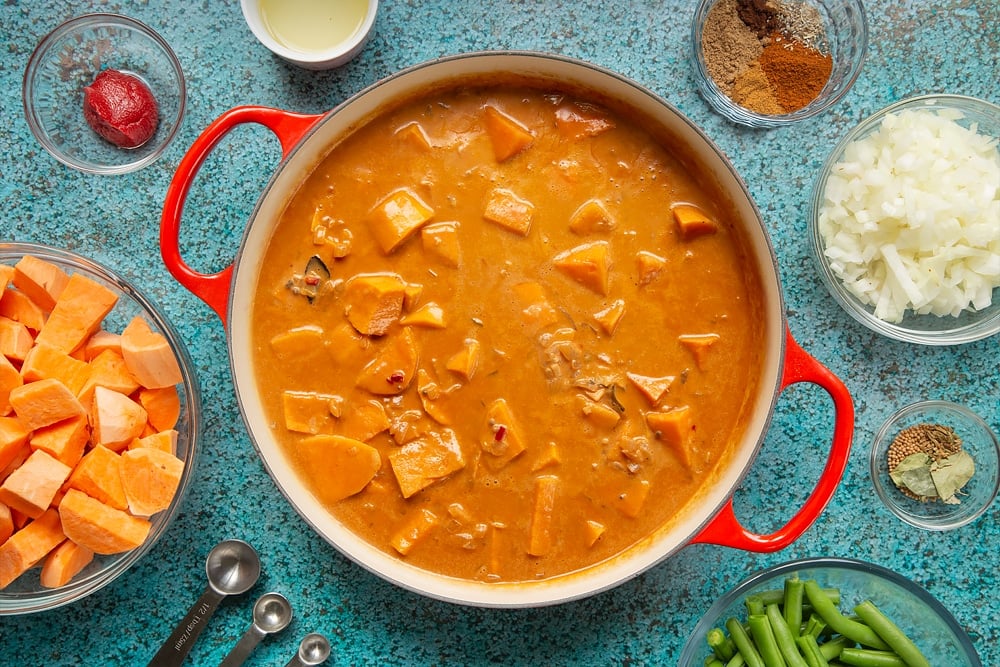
column 905, row 220
column 934, row 465
column 69, row 60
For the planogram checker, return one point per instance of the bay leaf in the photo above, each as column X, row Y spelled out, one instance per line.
column 952, row 473
column 914, row 474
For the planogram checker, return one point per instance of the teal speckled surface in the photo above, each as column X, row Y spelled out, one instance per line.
column 916, row 47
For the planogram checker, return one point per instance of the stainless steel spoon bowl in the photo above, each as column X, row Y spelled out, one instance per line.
column 271, row 613
column 232, row 567
column 314, row 649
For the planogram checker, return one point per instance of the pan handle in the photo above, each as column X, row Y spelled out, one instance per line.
column 213, row 288
column 725, row 529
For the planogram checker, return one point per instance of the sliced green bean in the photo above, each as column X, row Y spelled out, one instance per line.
column 792, row 604
column 778, row 595
column 712, row 661
column 783, row 637
column 865, row 657
column 891, row 634
column 826, row 610
column 721, row 645
column 763, row 637
column 831, row 649
column 737, row 661
column 743, row 643
column 810, row 651
column 754, row 604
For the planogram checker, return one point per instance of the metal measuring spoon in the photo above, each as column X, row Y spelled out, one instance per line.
column 314, row 649
column 233, row 567
column 271, row 613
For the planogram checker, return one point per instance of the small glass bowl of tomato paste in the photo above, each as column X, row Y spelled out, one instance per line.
column 69, row 59
column 170, row 426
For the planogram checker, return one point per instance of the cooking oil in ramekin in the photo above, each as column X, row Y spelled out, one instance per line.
column 312, row 25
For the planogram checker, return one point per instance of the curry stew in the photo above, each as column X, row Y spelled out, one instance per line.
column 504, row 333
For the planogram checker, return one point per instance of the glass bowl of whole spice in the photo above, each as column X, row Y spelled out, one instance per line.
column 934, row 465
column 768, row 63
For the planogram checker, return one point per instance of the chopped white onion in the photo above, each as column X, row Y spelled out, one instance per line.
column 910, row 216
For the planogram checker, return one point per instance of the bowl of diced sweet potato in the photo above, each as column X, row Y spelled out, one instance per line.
column 98, row 426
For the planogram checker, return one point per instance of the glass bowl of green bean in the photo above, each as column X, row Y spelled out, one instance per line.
column 845, row 611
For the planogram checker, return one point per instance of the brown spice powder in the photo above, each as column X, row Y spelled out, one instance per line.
column 797, row 72
column 753, row 91
column 728, row 45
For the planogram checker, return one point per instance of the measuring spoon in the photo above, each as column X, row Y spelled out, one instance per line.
column 314, row 649
column 271, row 613
column 233, row 567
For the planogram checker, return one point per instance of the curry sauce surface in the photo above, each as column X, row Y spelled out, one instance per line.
column 489, row 287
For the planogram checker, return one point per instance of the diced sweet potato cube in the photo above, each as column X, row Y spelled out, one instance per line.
column 339, row 467
column 536, row 311
column 373, row 301
column 41, row 281
column 108, row 370
column 393, row 367
column 397, row 217
column 310, row 412
column 165, row 441
column 591, row 218
column 148, row 355
column 593, row 531
column 426, row 460
column 698, row 345
column 587, row 264
column 650, row 267
column 14, row 435
column 674, row 428
column 99, row 527
column 63, row 440
column 630, row 498
column 600, row 415
column 63, row 563
column 78, row 313
column 31, row 488
column 10, row 378
column 364, row 421
column 45, row 402
column 506, row 209
column 549, row 457
column 501, row 439
column 298, row 342
column 45, row 361
column 413, row 132
column 6, row 276
column 578, row 120
column 28, row 546
column 150, row 478
column 6, row 523
column 430, row 316
column 609, row 318
column 692, row 222
column 508, row 136
column 440, row 240
column 465, row 362
column 99, row 342
column 17, row 306
column 411, row 295
column 417, row 526
column 653, row 388
column 430, row 392
column 15, row 339
column 99, row 475
column 540, row 534
column 116, row 419
column 162, row 406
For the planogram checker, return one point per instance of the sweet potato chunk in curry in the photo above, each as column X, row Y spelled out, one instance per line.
column 506, row 333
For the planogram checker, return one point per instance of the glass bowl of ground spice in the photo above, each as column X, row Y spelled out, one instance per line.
column 934, row 465
column 769, row 63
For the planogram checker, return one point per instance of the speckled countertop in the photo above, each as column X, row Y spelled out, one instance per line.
column 916, row 47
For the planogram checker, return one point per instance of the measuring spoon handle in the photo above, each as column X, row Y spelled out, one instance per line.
column 179, row 643
column 244, row 647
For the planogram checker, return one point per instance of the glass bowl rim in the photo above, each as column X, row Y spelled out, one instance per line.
column 968, row 333
column 882, row 490
column 61, row 31
column 736, row 113
column 44, row 599
column 693, row 645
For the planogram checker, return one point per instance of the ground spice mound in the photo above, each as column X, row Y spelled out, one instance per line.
column 768, row 56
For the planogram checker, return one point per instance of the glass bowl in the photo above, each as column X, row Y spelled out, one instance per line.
column 925, row 329
column 68, row 59
column 26, row 594
column 977, row 439
column 917, row 613
column 846, row 28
